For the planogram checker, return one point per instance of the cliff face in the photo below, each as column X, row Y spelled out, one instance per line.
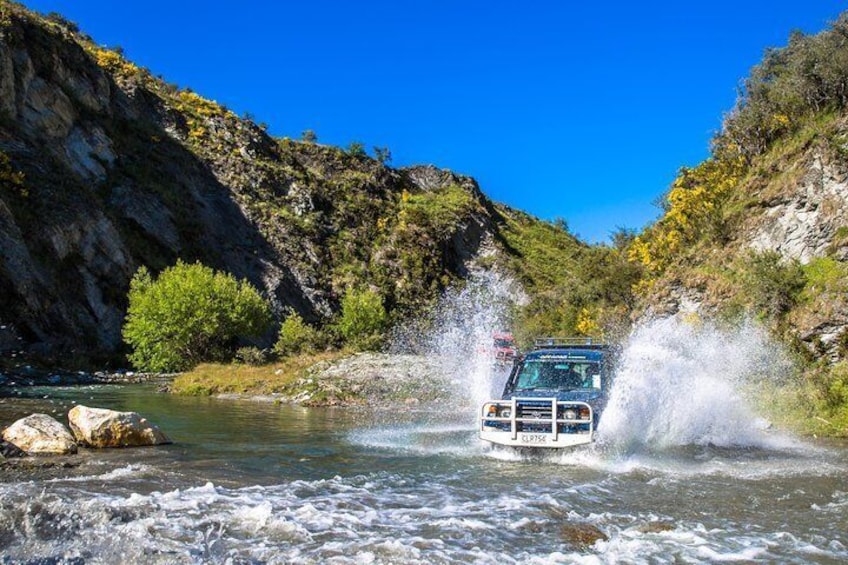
column 760, row 228
column 104, row 168
column 784, row 255
column 802, row 220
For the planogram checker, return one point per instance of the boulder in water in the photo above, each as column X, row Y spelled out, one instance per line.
column 580, row 535
column 98, row 427
column 40, row 434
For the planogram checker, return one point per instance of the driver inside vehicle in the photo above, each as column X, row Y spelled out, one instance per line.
column 558, row 376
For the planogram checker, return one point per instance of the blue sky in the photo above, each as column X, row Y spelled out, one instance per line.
column 563, row 109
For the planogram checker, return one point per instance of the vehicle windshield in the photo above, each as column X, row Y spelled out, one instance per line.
column 558, row 375
column 506, row 343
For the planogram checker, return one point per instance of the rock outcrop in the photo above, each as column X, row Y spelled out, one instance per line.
column 802, row 221
column 375, row 379
column 800, row 216
column 104, row 168
column 98, row 427
column 39, row 434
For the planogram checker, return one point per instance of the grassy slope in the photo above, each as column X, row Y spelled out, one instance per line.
column 276, row 378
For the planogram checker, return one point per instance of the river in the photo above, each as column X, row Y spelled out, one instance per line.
column 250, row 482
column 684, row 471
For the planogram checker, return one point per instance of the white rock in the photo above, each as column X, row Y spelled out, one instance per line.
column 40, row 434
column 98, row 427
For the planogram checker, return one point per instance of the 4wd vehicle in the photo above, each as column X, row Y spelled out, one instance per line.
column 504, row 349
column 553, row 397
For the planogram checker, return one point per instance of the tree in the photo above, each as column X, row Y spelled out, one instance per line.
column 383, row 154
column 363, row 318
column 296, row 336
column 190, row 314
column 309, row 136
column 356, row 149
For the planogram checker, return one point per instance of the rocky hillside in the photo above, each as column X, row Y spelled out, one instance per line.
column 104, row 168
column 761, row 227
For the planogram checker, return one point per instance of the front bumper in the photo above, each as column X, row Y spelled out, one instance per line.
column 537, row 422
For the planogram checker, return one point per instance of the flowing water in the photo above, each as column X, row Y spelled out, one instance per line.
column 684, row 472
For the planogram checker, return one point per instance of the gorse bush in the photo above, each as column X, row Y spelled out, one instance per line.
column 694, row 211
column 296, row 337
column 190, row 314
column 363, row 318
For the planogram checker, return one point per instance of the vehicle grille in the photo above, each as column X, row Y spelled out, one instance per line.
column 530, row 411
column 536, row 412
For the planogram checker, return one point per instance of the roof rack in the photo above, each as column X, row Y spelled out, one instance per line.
column 569, row 343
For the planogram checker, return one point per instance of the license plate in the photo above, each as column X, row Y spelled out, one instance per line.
column 534, row 438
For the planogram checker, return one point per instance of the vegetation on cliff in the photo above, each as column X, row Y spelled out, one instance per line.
column 758, row 229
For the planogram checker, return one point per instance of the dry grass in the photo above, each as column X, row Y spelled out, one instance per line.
column 210, row 378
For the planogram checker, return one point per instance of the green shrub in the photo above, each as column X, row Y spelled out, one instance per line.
column 296, row 336
column 363, row 318
column 59, row 19
column 356, row 149
column 823, row 396
column 791, row 85
column 251, row 355
column 825, row 275
column 441, row 210
column 382, row 154
column 774, row 284
column 188, row 315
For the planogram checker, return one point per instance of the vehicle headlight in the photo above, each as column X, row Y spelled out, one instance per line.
column 570, row 414
column 505, row 412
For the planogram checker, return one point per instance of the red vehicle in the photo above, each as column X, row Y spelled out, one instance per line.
column 504, row 348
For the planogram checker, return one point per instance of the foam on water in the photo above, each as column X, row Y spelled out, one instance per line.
column 128, row 471
column 679, row 384
column 458, row 440
column 378, row 518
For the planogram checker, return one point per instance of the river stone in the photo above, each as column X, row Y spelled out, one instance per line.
column 98, row 427
column 40, row 434
column 581, row 535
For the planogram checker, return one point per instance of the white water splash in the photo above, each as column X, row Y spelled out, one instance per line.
column 459, row 331
column 679, row 384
